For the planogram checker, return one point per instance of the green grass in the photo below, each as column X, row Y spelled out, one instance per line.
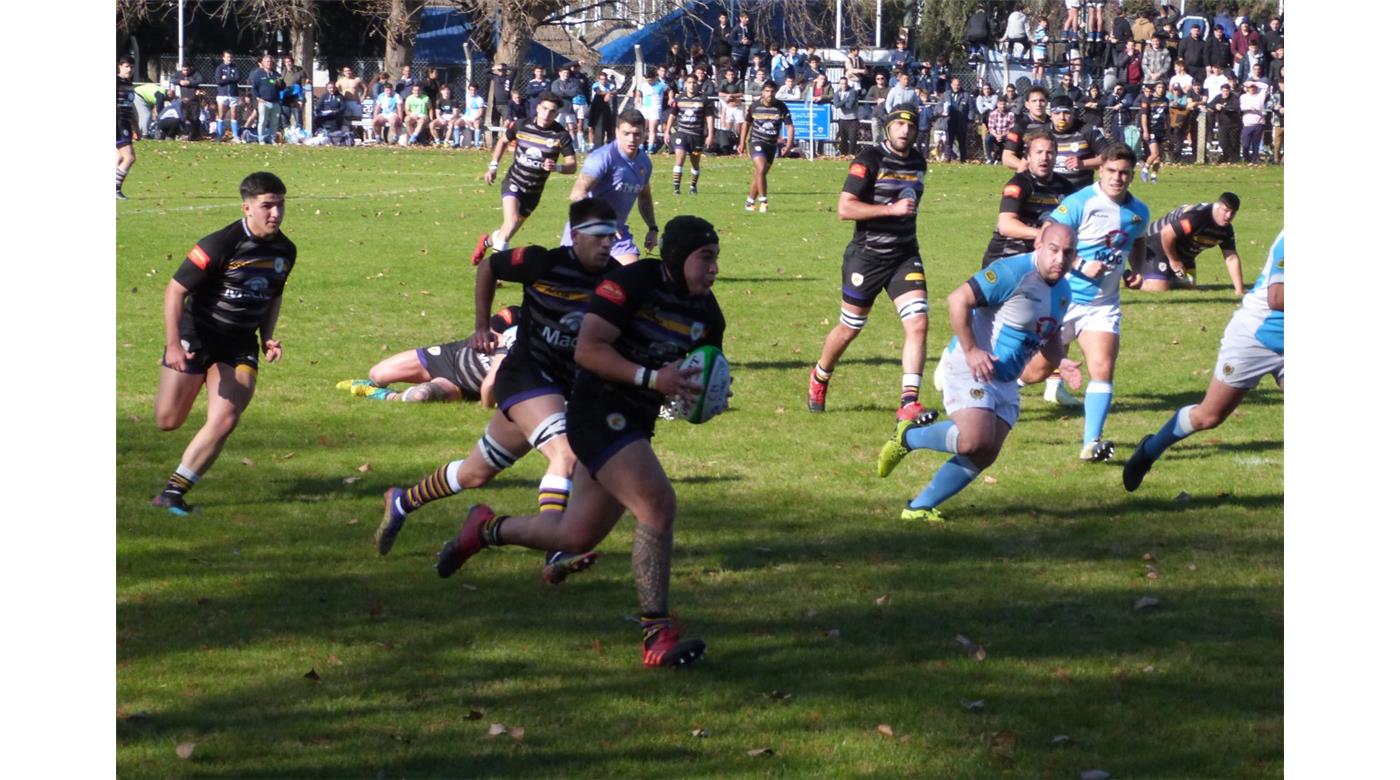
column 784, row 542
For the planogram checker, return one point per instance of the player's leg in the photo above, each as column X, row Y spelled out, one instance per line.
column 977, row 435
column 838, row 339
column 126, row 157
column 758, row 173
column 695, row 171
column 406, row 366
column 625, row 250
column 498, row 449
column 910, row 296
column 541, row 420
column 1100, row 355
column 677, row 143
column 763, row 167
column 1156, row 273
column 230, row 391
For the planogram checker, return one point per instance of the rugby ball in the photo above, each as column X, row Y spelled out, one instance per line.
column 713, row 380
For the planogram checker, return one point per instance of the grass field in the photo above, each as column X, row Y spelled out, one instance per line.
column 831, row 624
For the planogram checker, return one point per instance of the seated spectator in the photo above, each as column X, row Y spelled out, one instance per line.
column 517, row 110
column 404, row 86
column 900, row 93
column 1018, row 35
column 790, row 91
column 447, row 123
column 1066, row 88
column 330, row 110
column 417, row 111
column 473, row 117
column 730, row 85
column 999, row 122
column 977, row 35
column 388, row 114
column 820, row 90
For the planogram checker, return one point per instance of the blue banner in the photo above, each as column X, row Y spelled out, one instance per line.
column 811, row 121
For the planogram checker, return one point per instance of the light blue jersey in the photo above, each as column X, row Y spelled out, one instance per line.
column 1264, row 323
column 1016, row 312
column 618, row 179
column 1107, row 230
column 653, row 95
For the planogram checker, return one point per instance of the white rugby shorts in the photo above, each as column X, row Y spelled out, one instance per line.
column 1243, row 361
column 227, row 100
column 961, row 391
column 1096, row 317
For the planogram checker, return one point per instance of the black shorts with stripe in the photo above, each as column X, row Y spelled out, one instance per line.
column 210, row 346
column 519, row 379
column 863, row 276
column 528, row 200
column 601, row 425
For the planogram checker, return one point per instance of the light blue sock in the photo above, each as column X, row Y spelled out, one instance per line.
column 1176, row 428
column 235, row 129
column 1096, row 400
column 941, row 436
column 219, row 131
column 951, row 477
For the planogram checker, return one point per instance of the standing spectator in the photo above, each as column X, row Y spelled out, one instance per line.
column 651, row 95
column 1180, row 114
column 1014, row 104
column 1276, row 68
column 1191, row 20
column 1192, row 52
column 986, row 103
column 568, row 89
column 730, row 86
column 941, row 72
column 1091, row 108
column 226, row 78
column 1218, row 49
column 1118, row 112
column 1276, row 115
column 844, row 111
column 388, row 114
column 267, row 90
column 1066, row 88
column 500, row 94
column 186, row 87
column 741, row 39
column 1254, row 117
column 936, row 116
column 352, row 87
column 789, row 91
column 1156, row 63
column 875, row 97
column 961, row 109
column 721, row 49
column 856, row 72
column 1226, row 109
column 929, row 110
column 999, row 122
column 432, row 82
column 1143, row 28
column 1181, row 80
column 1225, row 20
column 1070, row 28
column 1132, row 71
column 676, row 58
column 1273, row 37
column 1040, row 50
column 1018, row 33
column 1256, row 63
column 753, row 85
column 901, row 92
column 600, row 111
column 517, row 111
column 811, row 70
column 1214, row 80
column 1164, row 25
column 404, row 86
column 536, row 86
column 292, row 78
column 820, row 90
column 1240, row 42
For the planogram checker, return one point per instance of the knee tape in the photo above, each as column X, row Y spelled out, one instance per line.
column 497, row 456
column 913, row 309
column 551, row 427
column 852, row 321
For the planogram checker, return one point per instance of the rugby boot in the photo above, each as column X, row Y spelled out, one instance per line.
column 482, row 245
column 175, row 505
column 466, row 543
column 393, row 521
column 694, row 189
column 816, row 394
column 351, row 384
column 665, row 647
column 909, row 411
column 122, row 196
column 763, row 206
column 748, row 204
column 1137, row 466
column 895, row 449
column 559, row 565
column 927, row 515
column 1097, row 451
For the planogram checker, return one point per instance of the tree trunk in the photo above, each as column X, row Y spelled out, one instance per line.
column 399, row 31
column 517, row 30
column 304, row 52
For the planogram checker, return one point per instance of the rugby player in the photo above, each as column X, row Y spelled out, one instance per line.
column 1004, row 314
column 441, row 372
column 221, row 308
column 1034, row 117
column 619, row 174
column 883, row 187
column 1110, row 224
column 641, row 321
column 126, row 153
column 1078, row 147
column 1025, row 201
column 763, row 122
column 1152, row 113
column 691, row 128
column 1251, row 347
column 541, row 147
column 1174, row 242
column 534, row 378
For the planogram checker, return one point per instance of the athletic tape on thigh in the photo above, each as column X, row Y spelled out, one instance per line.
column 552, row 426
column 913, row 309
column 497, row 456
column 852, row 321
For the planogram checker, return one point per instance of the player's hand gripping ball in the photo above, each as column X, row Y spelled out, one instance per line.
column 714, row 385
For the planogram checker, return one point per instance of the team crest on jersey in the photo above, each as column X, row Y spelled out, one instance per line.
column 611, row 291
column 1062, row 210
column 1280, row 265
column 279, row 265
column 991, row 276
column 697, row 329
column 571, row 321
column 616, row 421
column 977, row 393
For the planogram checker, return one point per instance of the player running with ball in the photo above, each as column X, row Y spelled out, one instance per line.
column 641, row 321
column 1003, row 315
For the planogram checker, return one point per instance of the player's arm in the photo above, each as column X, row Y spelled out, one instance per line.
column 1169, row 235
column 709, row 129
column 744, row 134
column 1276, row 296
column 582, row 185
column 482, row 338
column 1053, row 350
column 568, row 164
column 1009, row 224
column 670, row 120
column 647, row 209
column 1010, row 151
column 595, row 352
column 1232, row 266
column 271, row 347
column 961, row 302
column 172, row 309
column 1137, row 255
